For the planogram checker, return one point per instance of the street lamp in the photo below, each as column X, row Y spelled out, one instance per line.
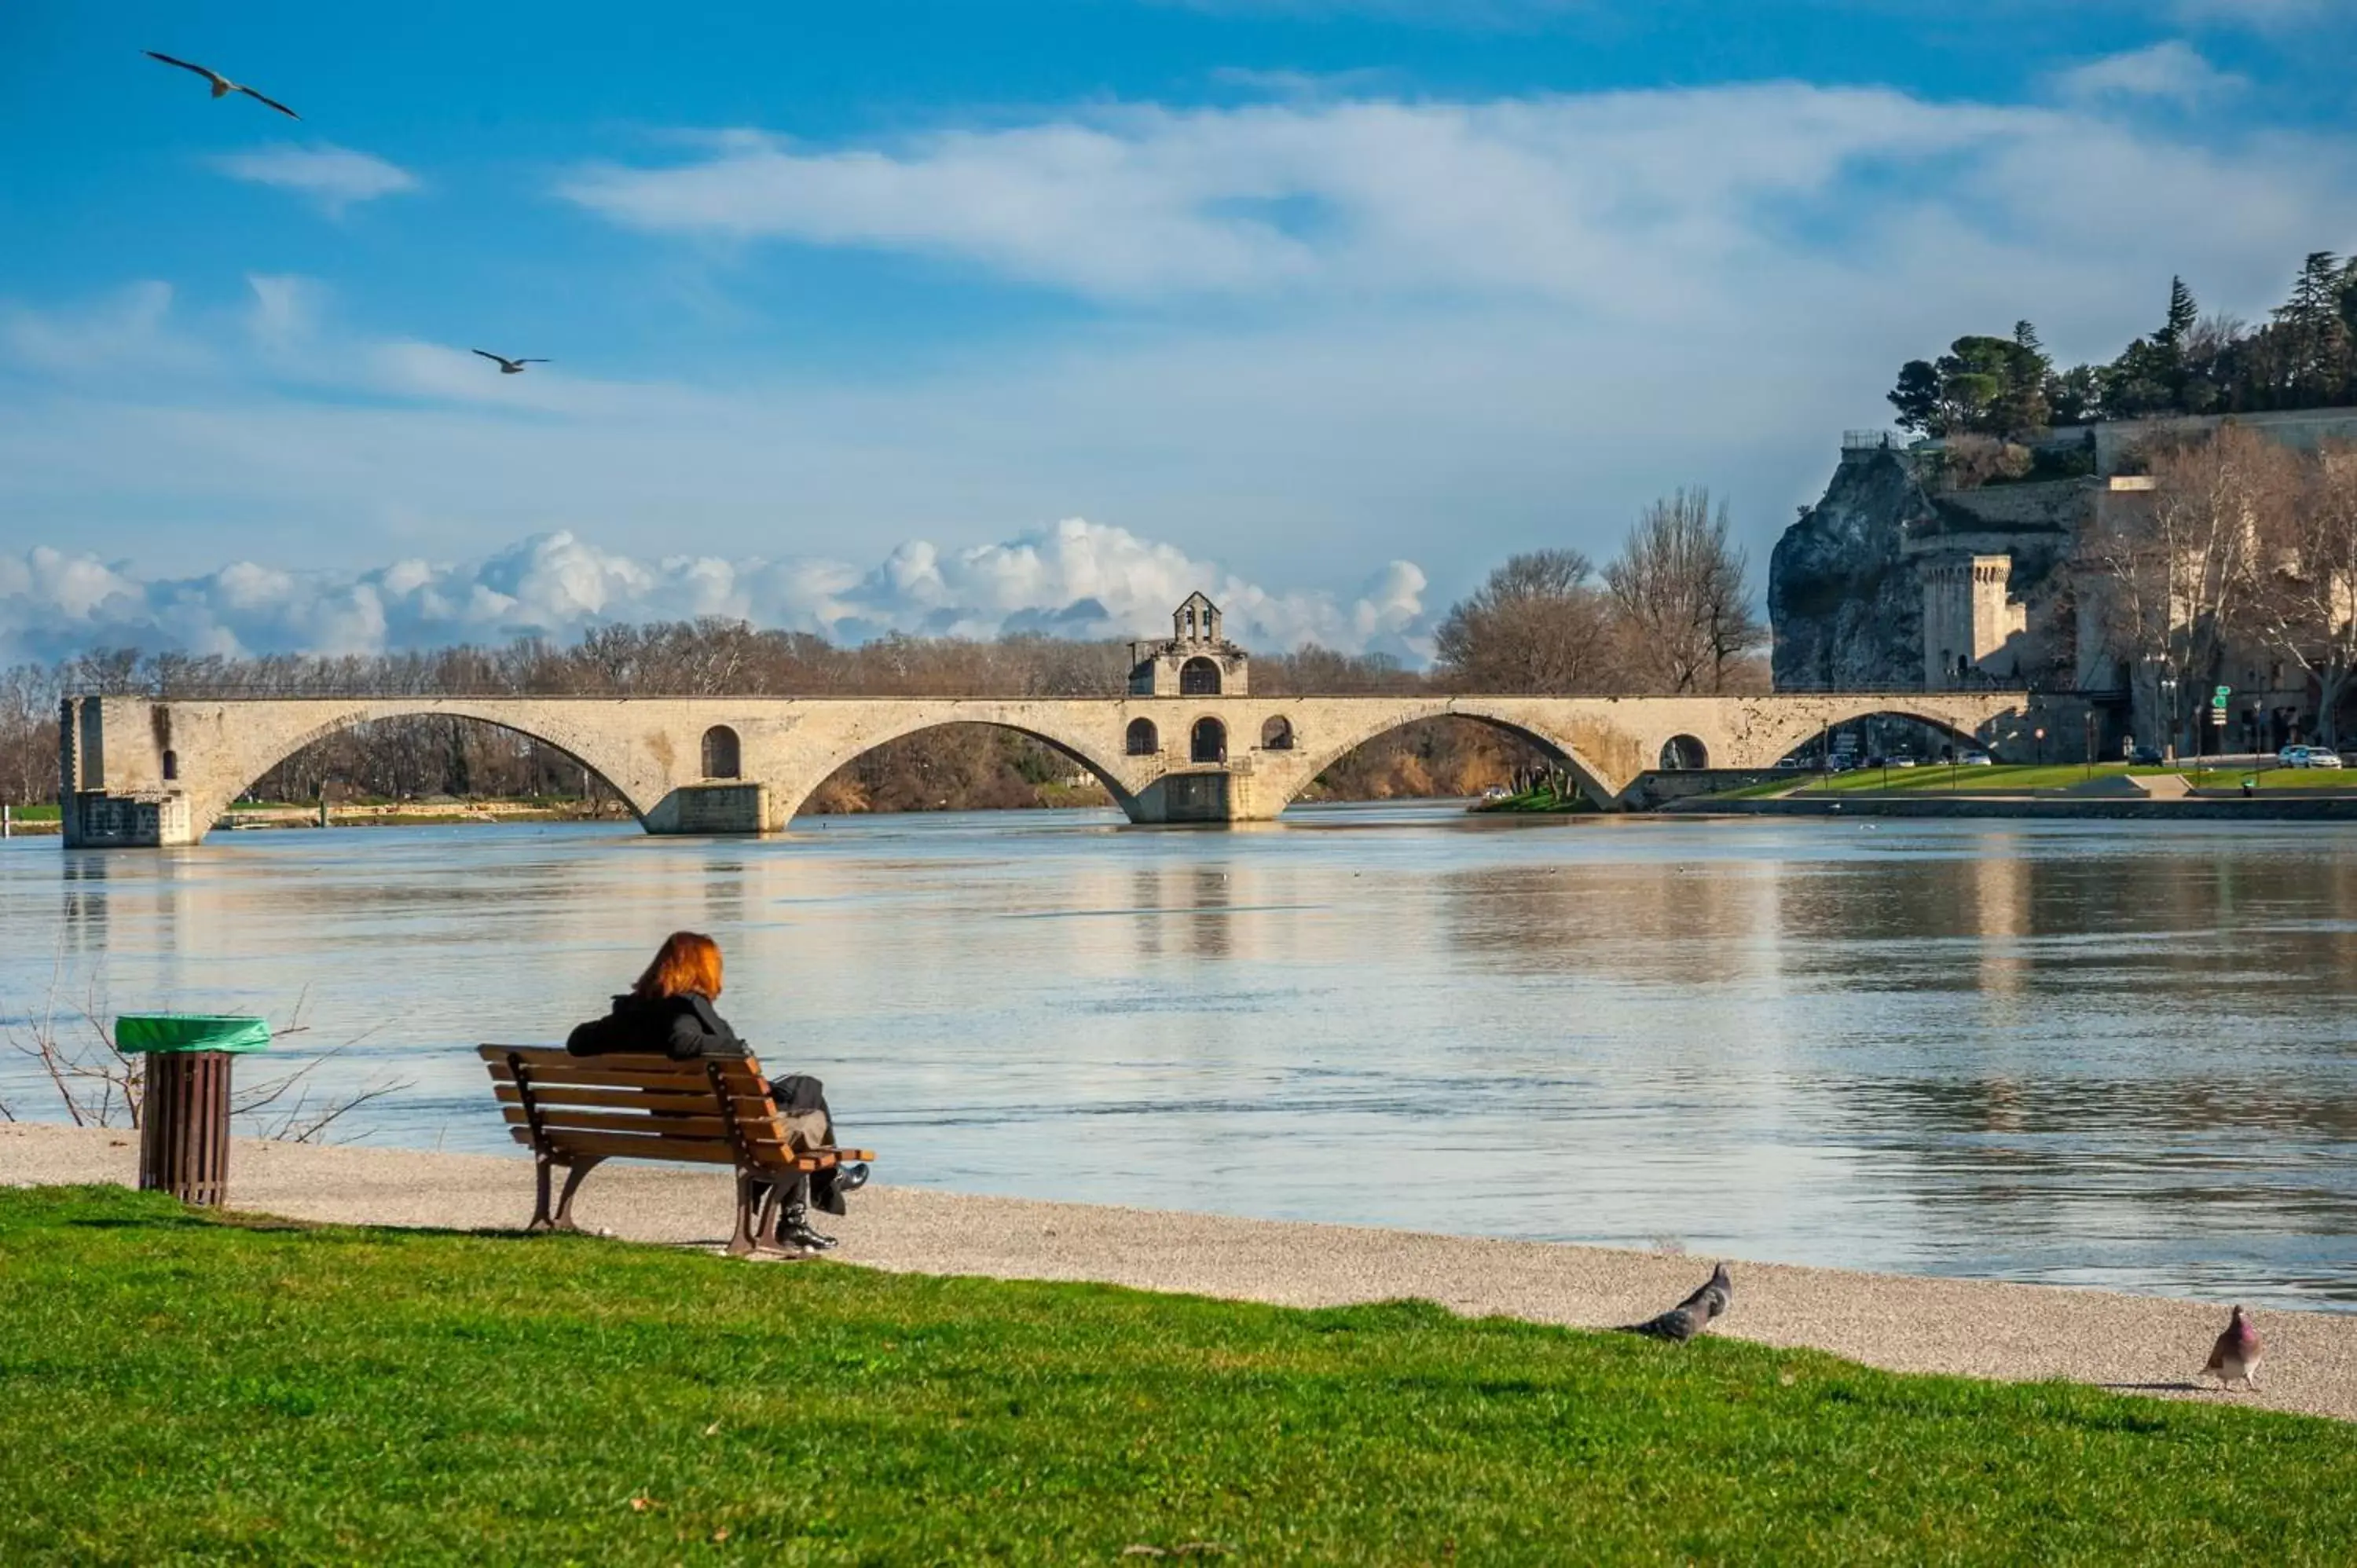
column 2168, row 714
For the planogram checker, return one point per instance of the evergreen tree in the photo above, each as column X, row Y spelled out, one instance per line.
column 2315, row 350
column 2182, row 314
column 1917, row 398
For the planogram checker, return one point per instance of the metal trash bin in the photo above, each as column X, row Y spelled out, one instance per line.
column 184, row 1109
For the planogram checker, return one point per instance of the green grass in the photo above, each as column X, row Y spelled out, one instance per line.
column 48, row 813
column 1541, row 800
column 2020, row 778
column 175, row 1389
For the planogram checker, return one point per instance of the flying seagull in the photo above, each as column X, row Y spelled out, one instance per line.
column 2236, row 1354
column 223, row 86
column 1693, row 1314
column 508, row 367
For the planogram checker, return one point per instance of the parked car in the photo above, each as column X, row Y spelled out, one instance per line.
column 2292, row 756
column 2318, row 757
column 1900, row 762
column 2145, row 756
column 1976, row 759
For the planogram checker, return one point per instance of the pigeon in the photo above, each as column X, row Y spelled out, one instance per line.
column 508, row 367
column 2236, row 1354
column 223, row 86
column 1693, row 1314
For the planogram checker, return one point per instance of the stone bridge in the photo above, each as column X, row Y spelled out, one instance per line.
column 143, row 771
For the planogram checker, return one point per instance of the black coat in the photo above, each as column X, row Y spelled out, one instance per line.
column 682, row 1027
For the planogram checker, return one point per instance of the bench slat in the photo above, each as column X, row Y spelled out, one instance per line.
column 552, row 1058
column 750, row 1107
column 594, row 1072
column 555, row 1119
column 698, row 1150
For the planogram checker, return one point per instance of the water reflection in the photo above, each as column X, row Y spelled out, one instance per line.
column 2070, row 1052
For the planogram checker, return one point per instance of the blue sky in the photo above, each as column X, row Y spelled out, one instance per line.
column 952, row 316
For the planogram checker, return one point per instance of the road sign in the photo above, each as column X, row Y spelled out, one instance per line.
column 2218, row 701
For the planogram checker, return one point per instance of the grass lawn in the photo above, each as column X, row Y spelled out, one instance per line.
column 1934, row 778
column 173, row 1387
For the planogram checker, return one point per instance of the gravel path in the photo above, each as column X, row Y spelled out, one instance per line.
column 2150, row 1344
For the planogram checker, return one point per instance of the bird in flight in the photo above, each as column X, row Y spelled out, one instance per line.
column 223, row 86
column 508, row 367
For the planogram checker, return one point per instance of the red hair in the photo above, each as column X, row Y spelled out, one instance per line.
column 687, row 964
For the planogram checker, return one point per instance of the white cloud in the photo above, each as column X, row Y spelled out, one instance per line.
column 2173, row 71
column 1075, row 579
column 128, row 329
column 335, row 177
column 1582, row 198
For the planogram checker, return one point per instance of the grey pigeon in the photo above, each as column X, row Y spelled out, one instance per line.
column 1693, row 1314
column 2236, row 1354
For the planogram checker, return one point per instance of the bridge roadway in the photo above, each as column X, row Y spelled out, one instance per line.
column 138, row 771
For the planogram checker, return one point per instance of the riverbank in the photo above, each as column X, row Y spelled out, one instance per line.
column 1907, row 1323
column 2260, row 809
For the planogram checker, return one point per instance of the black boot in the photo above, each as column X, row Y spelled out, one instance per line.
column 795, row 1231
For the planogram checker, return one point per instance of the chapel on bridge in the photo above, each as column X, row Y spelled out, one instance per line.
column 1195, row 661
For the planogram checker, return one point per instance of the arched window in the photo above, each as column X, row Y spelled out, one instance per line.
column 1142, row 740
column 1198, row 678
column 1209, row 741
column 1276, row 735
column 720, row 753
column 1683, row 751
column 171, row 766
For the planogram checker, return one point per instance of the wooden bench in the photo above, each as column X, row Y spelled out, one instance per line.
column 580, row 1111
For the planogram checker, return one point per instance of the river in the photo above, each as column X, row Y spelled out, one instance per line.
column 2094, row 1053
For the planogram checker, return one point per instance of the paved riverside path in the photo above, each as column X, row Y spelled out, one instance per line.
column 1904, row 1323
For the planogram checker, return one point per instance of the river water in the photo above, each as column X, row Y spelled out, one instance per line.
column 2081, row 1052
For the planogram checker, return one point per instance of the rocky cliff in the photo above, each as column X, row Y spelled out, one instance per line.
column 1845, row 606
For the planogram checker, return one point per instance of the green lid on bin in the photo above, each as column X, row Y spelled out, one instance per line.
column 139, row 1032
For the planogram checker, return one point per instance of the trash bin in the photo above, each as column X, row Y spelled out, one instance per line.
column 184, row 1111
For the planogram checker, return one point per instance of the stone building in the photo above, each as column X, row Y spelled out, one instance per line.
column 1896, row 579
column 1195, row 660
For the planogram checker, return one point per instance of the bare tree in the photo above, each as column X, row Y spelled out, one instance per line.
column 2181, row 567
column 1682, row 589
column 2305, row 601
column 1539, row 625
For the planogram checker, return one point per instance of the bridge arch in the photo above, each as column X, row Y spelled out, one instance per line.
column 1832, row 715
column 231, row 775
column 1684, row 751
column 1303, row 767
column 724, row 754
column 792, row 793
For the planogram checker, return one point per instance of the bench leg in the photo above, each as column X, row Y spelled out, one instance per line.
column 749, row 1198
column 572, row 1183
column 540, row 1217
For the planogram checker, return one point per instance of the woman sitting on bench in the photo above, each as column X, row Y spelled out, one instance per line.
column 669, row 1013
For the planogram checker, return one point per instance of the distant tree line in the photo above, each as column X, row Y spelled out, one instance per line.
column 2303, row 356
column 1673, row 613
